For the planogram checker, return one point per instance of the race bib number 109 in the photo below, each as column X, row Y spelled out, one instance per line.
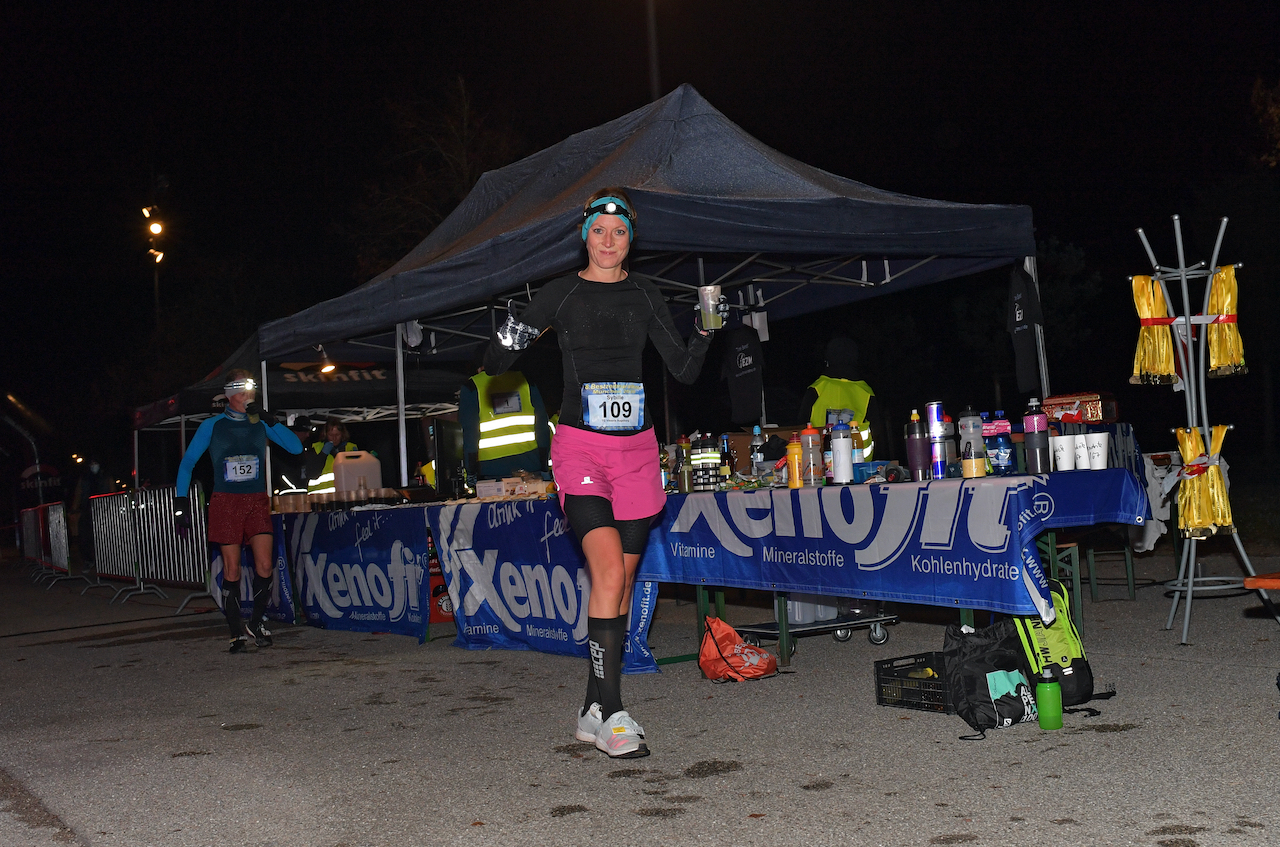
column 613, row 405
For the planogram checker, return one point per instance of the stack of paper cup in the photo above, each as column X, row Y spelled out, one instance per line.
column 1063, row 448
column 1096, row 444
column 1082, row 452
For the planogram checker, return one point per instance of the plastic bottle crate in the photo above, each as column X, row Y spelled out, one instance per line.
column 895, row 688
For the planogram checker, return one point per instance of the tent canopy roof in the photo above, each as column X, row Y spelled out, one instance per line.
column 703, row 189
column 362, row 387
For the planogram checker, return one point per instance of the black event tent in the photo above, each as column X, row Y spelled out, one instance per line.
column 363, row 385
column 714, row 204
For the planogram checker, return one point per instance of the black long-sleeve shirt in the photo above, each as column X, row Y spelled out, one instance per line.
column 602, row 328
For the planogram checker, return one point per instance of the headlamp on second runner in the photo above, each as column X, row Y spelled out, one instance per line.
column 607, row 206
column 239, row 386
column 513, row 334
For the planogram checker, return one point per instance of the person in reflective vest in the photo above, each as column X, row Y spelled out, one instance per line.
column 320, row 456
column 504, row 425
column 838, row 394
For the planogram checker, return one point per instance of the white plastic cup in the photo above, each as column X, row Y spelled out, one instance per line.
column 1064, row 452
column 1082, row 453
column 1097, row 444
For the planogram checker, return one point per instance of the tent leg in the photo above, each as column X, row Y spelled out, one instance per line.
column 404, row 444
column 266, row 404
column 1029, row 265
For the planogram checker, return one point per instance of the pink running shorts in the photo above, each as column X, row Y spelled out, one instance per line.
column 623, row 469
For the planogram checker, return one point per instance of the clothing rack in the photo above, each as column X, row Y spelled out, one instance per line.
column 1194, row 366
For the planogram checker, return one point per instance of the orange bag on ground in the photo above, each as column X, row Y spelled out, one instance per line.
column 724, row 655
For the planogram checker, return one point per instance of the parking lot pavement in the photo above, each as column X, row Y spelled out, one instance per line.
column 126, row 725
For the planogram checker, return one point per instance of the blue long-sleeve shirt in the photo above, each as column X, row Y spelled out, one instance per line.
column 238, row 451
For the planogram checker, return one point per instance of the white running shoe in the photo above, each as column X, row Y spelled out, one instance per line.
column 621, row 737
column 589, row 724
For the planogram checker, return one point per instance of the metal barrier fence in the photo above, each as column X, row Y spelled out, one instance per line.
column 31, row 535
column 59, row 557
column 114, row 549
column 134, row 537
column 44, row 543
column 44, row 535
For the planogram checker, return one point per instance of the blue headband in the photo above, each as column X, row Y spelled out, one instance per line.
column 607, row 206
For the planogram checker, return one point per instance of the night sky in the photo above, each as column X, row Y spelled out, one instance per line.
column 268, row 120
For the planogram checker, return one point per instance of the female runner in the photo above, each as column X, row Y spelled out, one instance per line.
column 604, row 453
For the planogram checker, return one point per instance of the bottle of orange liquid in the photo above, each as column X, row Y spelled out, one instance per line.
column 795, row 461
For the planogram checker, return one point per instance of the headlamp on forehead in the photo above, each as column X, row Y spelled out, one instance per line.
column 239, row 386
column 607, row 206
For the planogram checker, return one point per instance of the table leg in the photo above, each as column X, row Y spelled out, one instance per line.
column 966, row 618
column 704, row 609
column 784, row 630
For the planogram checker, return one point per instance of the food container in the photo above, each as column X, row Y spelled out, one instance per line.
column 1082, row 408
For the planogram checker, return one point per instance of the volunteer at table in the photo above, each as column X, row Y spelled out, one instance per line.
column 604, row 453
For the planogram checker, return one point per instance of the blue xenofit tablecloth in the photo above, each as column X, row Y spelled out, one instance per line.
column 963, row 543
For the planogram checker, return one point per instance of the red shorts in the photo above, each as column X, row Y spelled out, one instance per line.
column 623, row 469
column 235, row 518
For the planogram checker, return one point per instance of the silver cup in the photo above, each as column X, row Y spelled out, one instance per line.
column 709, row 302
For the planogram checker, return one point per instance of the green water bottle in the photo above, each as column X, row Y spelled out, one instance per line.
column 1049, row 701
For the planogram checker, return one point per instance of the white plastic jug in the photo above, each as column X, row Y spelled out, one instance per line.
column 349, row 468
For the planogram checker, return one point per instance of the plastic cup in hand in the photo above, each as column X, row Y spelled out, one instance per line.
column 1064, row 452
column 1097, row 443
column 1082, row 453
column 709, row 303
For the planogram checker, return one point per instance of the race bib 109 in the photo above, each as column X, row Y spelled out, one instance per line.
column 613, row 405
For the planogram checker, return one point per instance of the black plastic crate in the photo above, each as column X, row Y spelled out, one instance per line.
column 895, row 687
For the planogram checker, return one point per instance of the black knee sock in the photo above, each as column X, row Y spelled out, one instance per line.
column 604, row 639
column 231, row 607
column 593, row 686
column 261, row 594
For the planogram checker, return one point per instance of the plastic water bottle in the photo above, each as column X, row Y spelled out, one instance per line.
column 859, row 448
column 759, row 467
column 841, row 454
column 1004, row 460
column 1049, row 701
column 811, row 450
column 826, row 455
column 794, row 459
column 971, row 443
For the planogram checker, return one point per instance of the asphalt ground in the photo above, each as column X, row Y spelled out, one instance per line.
column 122, row 724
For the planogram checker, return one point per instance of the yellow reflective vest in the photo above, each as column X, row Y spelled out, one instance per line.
column 507, row 420
column 843, row 394
column 324, row 482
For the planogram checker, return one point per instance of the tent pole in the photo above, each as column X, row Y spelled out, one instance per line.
column 1029, row 265
column 266, row 404
column 404, row 445
column 137, row 481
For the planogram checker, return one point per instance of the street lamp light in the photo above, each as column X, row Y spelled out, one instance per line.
column 155, row 228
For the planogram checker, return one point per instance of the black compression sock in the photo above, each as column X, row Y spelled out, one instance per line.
column 604, row 638
column 231, row 608
column 593, row 688
column 261, row 594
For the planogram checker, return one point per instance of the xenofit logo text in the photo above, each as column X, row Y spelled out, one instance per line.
column 878, row 528
column 362, row 591
column 518, row 595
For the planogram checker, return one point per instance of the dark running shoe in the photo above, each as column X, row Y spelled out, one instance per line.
column 261, row 635
column 238, row 644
